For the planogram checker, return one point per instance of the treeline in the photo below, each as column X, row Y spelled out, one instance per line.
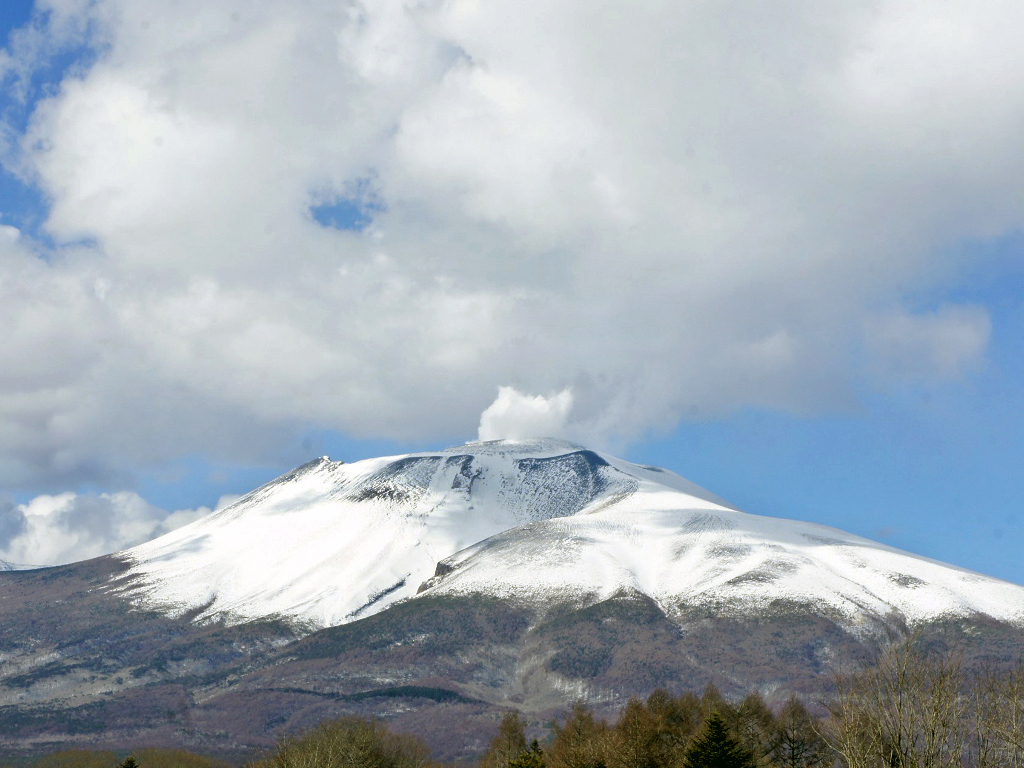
column 664, row 731
column 912, row 707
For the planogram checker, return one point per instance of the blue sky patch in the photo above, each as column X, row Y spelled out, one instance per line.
column 23, row 205
column 353, row 210
column 14, row 14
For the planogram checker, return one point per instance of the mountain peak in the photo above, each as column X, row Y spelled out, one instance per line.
column 530, row 445
column 540, row 520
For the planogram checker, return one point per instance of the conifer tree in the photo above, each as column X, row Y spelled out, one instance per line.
column 717, row 748
column 529, row 758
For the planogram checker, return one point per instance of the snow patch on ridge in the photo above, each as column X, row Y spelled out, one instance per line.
column 330, row 542
column 683, row 558
column 539, row 521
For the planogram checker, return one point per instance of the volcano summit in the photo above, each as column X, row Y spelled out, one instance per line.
column 435, row 587
column 543, row 522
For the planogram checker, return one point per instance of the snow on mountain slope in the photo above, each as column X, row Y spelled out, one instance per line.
column 542, row 520
column 331, row 542
column 729, row 561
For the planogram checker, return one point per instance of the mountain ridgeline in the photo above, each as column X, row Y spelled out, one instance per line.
column 448, row 584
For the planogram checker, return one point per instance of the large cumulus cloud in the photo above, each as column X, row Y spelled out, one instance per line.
column 671, row 210
column 66, row 527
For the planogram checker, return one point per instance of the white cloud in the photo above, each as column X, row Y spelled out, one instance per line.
column 517, row 416
column 943, row 344
column 673, row 210
column 67, row 527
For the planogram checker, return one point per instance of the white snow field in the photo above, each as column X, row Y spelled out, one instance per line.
column 539, row 521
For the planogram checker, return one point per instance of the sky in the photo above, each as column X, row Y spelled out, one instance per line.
column 778, row 251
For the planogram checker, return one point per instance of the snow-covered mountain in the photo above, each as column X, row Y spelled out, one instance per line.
column 444, row 587
column 540, row 522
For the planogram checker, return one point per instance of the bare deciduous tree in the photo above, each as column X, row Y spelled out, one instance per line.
column 508, row 743
column 904, row 710
column 796, row 742
column 348, row 743
column 581, row 742
column 997, row 719
column 634, row 740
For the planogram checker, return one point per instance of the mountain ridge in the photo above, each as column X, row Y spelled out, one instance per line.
column 329, row 543
column 445, row 586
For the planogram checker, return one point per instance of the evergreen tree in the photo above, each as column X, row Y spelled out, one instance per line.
column 129, row 762
column 717, row 748
column 529, row 758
